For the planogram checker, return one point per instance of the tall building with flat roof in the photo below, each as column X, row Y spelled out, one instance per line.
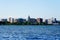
column 54, row 20
column 39, row 20
column 11, row 20
column 48, row 21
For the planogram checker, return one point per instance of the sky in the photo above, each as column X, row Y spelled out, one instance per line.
column 33, row 8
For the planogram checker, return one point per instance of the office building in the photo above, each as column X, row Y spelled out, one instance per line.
column 32, row 20
column 20, row 20
column 39, row 20
column 11, row 20
column 48, row 21
column 4, row 20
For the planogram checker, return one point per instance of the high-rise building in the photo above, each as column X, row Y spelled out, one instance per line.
column 15, row 20
column 32, row 20
column 48, row 21
column 39, row 20
column 11, row 20
column 54, row 20
column 28, row 18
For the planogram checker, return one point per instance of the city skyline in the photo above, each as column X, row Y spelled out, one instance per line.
column 29, row 21
column 33, row 8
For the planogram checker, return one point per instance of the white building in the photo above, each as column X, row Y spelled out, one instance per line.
column 54, row 20
column 50, row 21
column 11, row 20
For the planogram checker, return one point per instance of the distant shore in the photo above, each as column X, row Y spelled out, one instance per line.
column 25, row 23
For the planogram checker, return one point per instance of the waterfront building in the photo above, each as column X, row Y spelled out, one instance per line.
column 39, row 20
column 54, row 20
column 15, row 20
column 4, row 20
column 11, row 20
column 28, row 18
column 48, row 21
column 32, row 20
column 20, row 20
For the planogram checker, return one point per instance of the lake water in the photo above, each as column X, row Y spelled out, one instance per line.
column 29, row 32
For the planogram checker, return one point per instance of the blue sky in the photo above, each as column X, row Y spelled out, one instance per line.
column 34, row 8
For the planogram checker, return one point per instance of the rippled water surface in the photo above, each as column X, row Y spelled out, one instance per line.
column 29, row 32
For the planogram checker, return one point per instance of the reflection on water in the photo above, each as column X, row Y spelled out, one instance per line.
column 14, row 32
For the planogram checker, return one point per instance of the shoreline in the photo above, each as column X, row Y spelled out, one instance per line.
column 35, row 25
